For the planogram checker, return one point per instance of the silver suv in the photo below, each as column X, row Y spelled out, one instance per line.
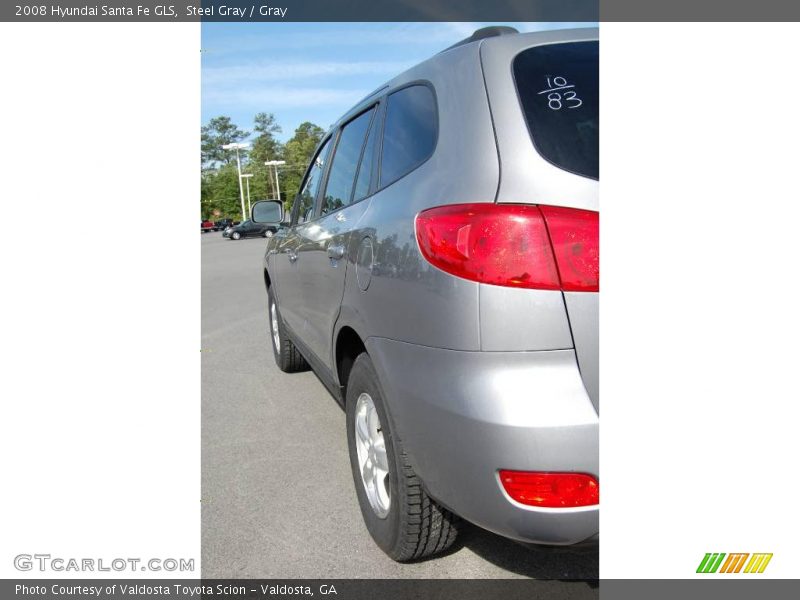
column 440, row 276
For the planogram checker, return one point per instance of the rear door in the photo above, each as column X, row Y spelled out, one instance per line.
column 543, row 91
column 326, row 255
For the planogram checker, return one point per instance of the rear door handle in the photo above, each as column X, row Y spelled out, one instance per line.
column 336, row 252
column 292, row 255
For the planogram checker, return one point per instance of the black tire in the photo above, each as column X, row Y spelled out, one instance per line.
column 267, row 233
column 236, row 235
column 287, row 356
column 415, row 526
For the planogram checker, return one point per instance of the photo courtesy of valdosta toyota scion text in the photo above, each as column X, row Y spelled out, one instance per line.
column 416, row 342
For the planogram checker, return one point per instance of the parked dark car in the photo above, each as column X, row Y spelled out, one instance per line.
column 250, row 229
column 223, row 224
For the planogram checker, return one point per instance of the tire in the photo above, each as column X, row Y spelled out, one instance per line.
column 267, row 233
column 412, row 525
column 235, row 235
column 287, row 356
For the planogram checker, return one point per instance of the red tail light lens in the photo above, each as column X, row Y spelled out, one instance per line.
column 575, row 235
column 491, row 243
column 551, row 490
column 509, row 244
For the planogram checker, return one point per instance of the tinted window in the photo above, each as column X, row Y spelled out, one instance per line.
column 558, row 89
column 409, row 135
column 345, row 162
column 367, row 163
column 311, row 185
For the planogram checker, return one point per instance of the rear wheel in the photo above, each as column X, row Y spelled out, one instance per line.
column 287, row 357
column 403, row 520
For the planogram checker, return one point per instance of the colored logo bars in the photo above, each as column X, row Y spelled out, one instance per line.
column 734, row 562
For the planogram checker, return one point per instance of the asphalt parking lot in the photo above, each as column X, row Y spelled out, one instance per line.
column 277, row 493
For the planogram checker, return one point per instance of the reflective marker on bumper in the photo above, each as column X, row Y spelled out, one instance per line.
column 551, row 490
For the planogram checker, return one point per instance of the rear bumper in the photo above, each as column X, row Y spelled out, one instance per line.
column 464, row 415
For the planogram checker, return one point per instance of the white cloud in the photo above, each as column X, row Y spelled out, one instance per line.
column 366, row 35
column 277, row 97
column 282, row 71
column 440, row 34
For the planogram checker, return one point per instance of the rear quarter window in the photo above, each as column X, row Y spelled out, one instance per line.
column 558, row 86
column 409, row 133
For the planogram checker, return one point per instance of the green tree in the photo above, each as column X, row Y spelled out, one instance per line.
column 265, row 147
column 219, row 190
column 219, row 185
column 299, row 150
column 218, row 132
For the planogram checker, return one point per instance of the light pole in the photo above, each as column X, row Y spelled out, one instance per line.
column 276, row 164
column 271, row 183
column 246, row 177
column 237, row 147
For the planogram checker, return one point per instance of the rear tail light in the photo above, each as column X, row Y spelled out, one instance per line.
column 515, row 245
column 575, row 235
column 551, row 490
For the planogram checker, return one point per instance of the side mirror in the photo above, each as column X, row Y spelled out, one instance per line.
column 267, row 211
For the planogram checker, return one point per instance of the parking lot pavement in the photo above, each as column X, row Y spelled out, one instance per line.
column 277, row 493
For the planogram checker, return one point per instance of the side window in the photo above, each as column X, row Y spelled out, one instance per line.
column 342, row 177
column 367, row 162
column 308, row 192
column 409, row 135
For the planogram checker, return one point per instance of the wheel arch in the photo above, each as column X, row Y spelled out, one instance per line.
column 267, row 279
column 349, row 346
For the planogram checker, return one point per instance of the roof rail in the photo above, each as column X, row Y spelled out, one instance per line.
column 483, row 33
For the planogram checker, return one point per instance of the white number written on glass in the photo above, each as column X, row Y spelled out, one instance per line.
column 560, row 94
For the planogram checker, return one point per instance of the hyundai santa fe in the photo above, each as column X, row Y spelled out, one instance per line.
column 439, row 272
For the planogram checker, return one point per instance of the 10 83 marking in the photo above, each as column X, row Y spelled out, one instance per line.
column 560, row 93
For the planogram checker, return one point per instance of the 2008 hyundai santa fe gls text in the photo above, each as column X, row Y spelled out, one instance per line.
column 439, row 272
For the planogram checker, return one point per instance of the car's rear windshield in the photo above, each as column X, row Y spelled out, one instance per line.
column 558, row 90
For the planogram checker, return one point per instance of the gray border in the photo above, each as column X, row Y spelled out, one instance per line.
column 316, row 10
column 427, row 10
column 699, row 10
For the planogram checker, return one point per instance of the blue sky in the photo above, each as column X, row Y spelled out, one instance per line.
column 314, row 71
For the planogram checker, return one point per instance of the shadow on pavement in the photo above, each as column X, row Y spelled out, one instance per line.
column 538, row 562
